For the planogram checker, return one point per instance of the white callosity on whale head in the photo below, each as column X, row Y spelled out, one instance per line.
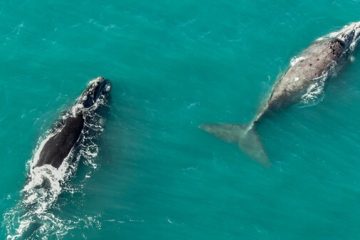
column 95, row 80
column 79, row 106
column 357, row 36
column 94, row 95
column 108, row 88
column 94, row 83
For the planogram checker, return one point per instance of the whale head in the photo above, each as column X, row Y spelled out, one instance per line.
column 97, row 90
column 350, row 35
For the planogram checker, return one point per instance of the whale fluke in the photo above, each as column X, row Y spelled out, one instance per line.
column 243, row 135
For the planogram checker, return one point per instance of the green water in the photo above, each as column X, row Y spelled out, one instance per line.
column 173, row 66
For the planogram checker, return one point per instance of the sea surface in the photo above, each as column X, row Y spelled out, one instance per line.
column 173, row 66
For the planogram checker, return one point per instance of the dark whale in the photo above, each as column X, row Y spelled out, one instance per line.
column 69, row 129
column 56, row 158
column 312, row 67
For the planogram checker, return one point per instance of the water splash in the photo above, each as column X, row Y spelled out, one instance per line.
column 315, row 92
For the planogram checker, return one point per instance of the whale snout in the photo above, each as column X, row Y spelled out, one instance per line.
column 356, row 28
column 102, row 86
column 99, row 88
column 350, row 35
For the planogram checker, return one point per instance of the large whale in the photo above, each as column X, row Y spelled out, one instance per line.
column 314, row 65
column 56, row 158
column 69, row 129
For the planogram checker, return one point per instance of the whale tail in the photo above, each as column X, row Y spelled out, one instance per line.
column 243, row 135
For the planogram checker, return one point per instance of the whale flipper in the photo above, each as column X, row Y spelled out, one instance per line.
column 243, row 135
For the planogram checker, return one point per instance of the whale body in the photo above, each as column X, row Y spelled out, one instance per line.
column 321, row 60
column 69, row 130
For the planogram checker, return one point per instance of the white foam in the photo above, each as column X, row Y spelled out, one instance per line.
column 314, row 92
column 76, row 108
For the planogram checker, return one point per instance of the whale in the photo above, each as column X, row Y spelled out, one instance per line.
column 69, row 129
column 308, row 71
column 70, row 140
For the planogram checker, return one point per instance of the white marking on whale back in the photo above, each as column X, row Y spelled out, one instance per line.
column 76, row 109
column 296, row 60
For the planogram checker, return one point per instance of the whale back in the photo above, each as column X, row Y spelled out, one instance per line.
column 58, row 147
column 316, row 63
column 68, row 131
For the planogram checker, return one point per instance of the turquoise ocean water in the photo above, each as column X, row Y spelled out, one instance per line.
column 173, row 66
